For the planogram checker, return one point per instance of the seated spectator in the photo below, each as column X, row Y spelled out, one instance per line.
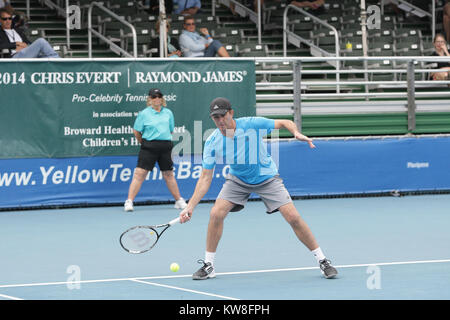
column 4, row 4
column 440, row 46
column 173, row 48
column 18, row 44
column 195, row 45
column 19, row 18
column 154, row 7
column 186, row 7
column 312, row 6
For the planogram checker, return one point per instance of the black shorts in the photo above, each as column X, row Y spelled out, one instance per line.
column 155, row 151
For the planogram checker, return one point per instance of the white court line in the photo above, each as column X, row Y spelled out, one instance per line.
column 184, row 289
column 223, row 273
column 9, row 297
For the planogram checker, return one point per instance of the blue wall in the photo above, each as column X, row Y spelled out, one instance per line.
column 334, row 167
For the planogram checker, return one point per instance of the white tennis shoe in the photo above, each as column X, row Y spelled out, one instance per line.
column 128, row 206
column 180, row 204
column 205, row 272
column 327, row 269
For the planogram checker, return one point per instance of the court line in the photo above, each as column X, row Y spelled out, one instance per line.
column 184, row 289
column 9, row 297
column 222, row 273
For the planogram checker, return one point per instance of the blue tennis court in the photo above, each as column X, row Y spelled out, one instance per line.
column 383, row 248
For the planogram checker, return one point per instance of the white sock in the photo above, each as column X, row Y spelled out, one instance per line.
column 318, row 254
column 209, row 257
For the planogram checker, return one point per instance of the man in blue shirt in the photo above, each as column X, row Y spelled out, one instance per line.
column 239, row 143
column 186, row 7
column 194, row 44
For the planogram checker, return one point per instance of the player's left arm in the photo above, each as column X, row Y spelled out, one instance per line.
column 292, row 128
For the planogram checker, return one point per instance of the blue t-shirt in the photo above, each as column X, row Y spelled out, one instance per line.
column 155, row 125
column 181, row 5
column 246, row 152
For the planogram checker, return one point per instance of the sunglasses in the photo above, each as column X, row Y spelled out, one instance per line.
column 156, row 96
column 9, row 18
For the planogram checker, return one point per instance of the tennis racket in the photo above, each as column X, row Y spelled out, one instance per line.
column 140, row 239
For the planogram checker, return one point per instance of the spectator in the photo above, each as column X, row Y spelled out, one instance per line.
column 5, row 4
column 195, row 45
column 173, row 47
column 154, row 7
column 18, row 44
column 187, row 7
column 312, row 6
column 440, row 47
column 19, row 18
column 446, row 19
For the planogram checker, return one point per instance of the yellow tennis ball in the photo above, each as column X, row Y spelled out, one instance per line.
column 174, row 267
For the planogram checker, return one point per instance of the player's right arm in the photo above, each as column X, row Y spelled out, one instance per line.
column 202, row 187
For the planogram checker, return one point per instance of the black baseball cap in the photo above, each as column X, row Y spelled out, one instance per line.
column 154, row 92
column 219, row 106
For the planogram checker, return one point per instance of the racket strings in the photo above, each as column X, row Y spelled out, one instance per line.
column 139, row 239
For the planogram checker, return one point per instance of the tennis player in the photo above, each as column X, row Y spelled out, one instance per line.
column 153, row 129
column 259, row 176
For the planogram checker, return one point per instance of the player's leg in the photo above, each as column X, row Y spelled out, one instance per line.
column 304, row 234
column 217, row 216
column 138, row 178
column 166, row 165
column 277, row 198
column 232, row 197
column 300, row 227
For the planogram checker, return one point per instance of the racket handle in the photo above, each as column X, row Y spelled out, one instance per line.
column 176, row 220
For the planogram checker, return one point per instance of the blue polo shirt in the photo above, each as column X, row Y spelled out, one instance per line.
column 181, row 5
column 246, row 152
column 155, row 125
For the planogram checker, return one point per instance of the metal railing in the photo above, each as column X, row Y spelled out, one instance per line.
column 112, row 45
column 58, row 7
column 297, row 40
column 316, row 96
column 406, row 98
column 243, row 11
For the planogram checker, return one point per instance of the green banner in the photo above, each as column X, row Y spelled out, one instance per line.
column 88, row 108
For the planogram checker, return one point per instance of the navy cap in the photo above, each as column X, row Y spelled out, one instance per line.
column 219, row 106
column 155, row 91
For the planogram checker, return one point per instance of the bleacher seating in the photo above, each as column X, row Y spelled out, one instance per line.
column 398, row 36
